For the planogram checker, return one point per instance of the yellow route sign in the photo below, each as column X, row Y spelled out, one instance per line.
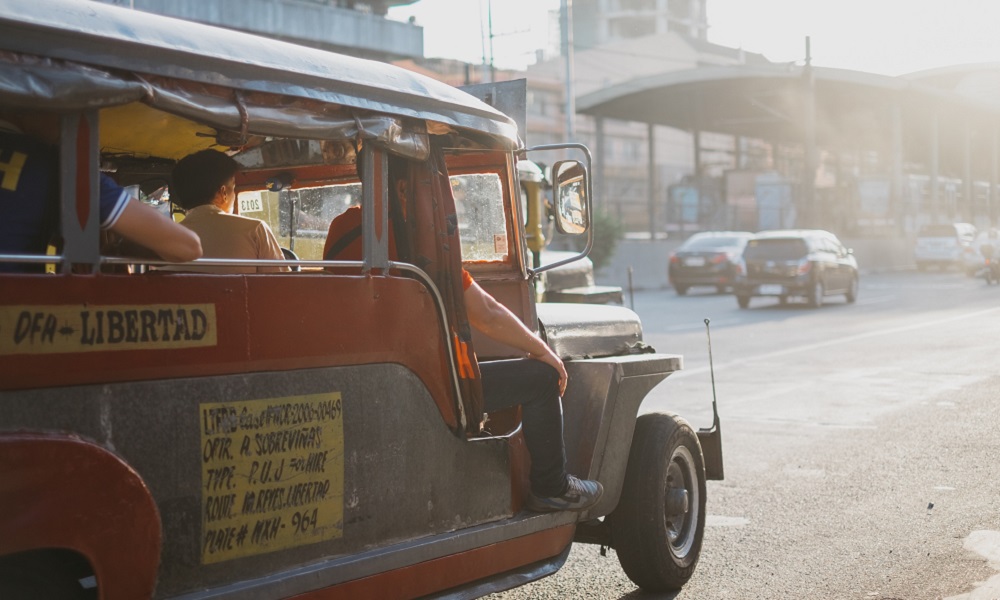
column 102, row 328
column 272, row 474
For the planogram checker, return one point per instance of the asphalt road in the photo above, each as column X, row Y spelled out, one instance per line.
column 861, row 443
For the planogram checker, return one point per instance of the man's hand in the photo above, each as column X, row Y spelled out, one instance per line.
column 550, row 358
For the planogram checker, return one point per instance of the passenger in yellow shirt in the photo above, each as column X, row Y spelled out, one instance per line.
column 204, row 185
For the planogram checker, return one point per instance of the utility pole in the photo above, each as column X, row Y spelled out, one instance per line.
column 489, row 18
column 566, row 24
column 810, row 210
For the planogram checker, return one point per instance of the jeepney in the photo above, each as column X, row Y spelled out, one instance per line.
column 316, row 433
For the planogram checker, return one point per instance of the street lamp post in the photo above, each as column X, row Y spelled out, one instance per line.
column 566, row 24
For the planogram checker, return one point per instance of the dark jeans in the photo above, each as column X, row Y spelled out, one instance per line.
column 535, row 386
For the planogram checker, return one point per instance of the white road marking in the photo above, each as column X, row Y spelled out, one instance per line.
column 843, row 340
column 987, row 544
column 721, row 521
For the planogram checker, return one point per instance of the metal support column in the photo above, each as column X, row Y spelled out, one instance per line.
column 651, row 142
column 935, row 159
column 809, row 212
column 896, row 208
column 80, row 189
column 696, row 143
column 994, row 168
column 968, row 211
column 600, row 201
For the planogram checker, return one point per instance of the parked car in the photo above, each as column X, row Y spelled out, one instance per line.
column 947, row 245
column 807, row 263
column 710, row 258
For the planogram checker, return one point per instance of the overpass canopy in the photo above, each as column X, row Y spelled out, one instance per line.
column 853, row 109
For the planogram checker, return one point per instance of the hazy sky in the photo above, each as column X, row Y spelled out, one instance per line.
column 891, row 37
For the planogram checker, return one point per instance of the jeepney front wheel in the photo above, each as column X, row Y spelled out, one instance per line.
column 658, row 525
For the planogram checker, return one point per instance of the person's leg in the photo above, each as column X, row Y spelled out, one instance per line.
column 535, row 386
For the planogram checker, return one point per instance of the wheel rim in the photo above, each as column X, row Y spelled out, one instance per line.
column 682, row 503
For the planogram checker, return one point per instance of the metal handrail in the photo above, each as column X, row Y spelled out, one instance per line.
column 222, row 262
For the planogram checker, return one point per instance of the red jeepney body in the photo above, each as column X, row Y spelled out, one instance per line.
column 307, row 434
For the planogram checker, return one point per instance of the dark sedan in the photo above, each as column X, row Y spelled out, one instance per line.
column 806, row 263
column 710, row 258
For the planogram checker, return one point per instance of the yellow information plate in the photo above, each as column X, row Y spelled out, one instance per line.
column 272, row 475
column 103, row 328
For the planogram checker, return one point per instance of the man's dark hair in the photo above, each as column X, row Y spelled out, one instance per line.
column 197, row 177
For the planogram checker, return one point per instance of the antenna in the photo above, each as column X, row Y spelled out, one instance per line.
column 711, row 439
column 711, row 369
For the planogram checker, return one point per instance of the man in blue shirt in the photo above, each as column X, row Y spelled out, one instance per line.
column 29, row 207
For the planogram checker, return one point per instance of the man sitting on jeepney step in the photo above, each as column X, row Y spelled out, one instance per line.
column 535, row 382
column 29, row 200
column 204, row 184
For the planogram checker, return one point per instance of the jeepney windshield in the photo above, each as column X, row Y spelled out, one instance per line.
column 481, row 221
column 300, row 218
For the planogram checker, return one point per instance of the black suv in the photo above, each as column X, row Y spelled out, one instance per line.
column 809, row 263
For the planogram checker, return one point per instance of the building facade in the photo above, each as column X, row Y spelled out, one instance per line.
column 599, row 22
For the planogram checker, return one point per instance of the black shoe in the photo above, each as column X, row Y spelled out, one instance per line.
column 580, row 495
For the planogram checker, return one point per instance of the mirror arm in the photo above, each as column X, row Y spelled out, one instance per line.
column 590, row 201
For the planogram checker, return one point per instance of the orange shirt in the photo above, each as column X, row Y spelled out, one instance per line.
column 343, row 239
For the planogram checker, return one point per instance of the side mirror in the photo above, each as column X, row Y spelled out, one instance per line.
column 572, row 216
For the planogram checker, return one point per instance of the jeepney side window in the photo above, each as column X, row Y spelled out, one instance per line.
column 482, row 224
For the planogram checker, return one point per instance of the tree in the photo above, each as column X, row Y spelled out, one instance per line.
column 608, row 231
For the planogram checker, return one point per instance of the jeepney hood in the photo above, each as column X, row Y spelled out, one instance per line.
column 588, row 330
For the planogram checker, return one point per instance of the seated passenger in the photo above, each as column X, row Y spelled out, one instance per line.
column 29, row 200
column 343, row 239
column 204, row 184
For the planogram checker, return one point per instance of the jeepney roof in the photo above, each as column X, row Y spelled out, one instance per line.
column 111, row 37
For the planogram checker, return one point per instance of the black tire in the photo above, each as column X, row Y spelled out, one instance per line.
column 39, row 574
column 852, row 290
column 815, row 297
column 743, row 301
column 681, row 289
column 659, row 522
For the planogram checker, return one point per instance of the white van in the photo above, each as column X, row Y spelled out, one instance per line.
column 945, row 245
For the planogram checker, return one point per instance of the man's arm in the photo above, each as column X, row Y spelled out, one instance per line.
column 496, row 321
column 145, row 226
